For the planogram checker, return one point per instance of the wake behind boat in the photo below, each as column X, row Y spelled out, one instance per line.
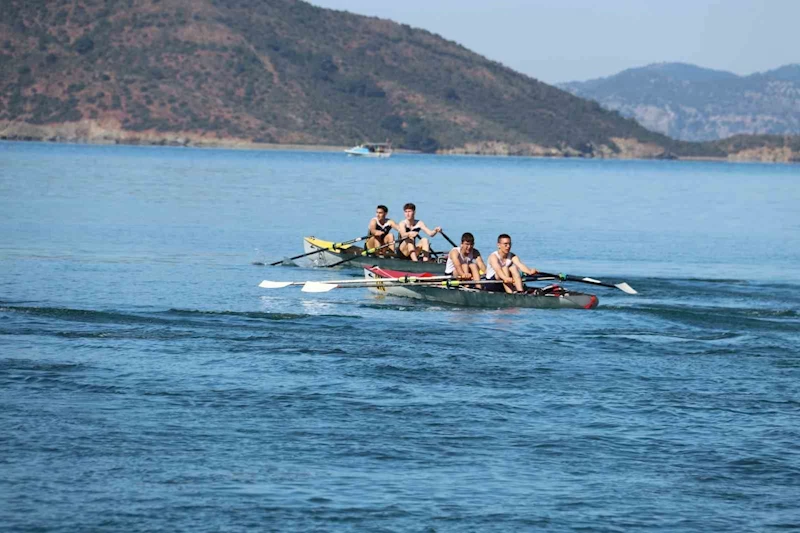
column 329, row 253
column 384, row 281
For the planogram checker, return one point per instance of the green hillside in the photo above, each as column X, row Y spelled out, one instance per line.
column 278, row 71
column 286, row 72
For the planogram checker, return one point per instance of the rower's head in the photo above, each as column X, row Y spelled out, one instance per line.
column 381, row 211
column 409, row 209
column 504, row 243
column 467, row 242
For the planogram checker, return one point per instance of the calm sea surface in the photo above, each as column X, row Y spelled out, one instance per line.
column 147, row 383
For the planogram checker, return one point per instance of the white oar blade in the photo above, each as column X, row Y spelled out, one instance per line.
column 267, row 284
column 591, row 280
column 315, row 286
column 624, row 287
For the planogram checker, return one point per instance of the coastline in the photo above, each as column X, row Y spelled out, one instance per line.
column 94, row 133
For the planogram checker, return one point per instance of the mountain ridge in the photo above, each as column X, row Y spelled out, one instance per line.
column 250, row 73
column 693, row 103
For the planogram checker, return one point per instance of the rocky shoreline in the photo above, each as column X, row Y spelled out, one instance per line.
column 94, row 132
column 111, row 132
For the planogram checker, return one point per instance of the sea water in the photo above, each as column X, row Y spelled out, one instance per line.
column 147, row 382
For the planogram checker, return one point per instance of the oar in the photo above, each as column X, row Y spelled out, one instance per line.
column 437, row 254
column 362, row 254
column 624, row 287
column 325, row 286
column 267, row 284
column 316, row 286
column 448, row 239
column 333, row 247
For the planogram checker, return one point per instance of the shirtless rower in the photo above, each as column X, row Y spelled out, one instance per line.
column 409, row 230
column 505, row 266
column 380, row 231
column 465, row 262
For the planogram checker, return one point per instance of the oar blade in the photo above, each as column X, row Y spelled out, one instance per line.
column 267, row 284
column 624, row 287
column 316, row 286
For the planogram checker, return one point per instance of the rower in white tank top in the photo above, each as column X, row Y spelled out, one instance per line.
column 465, row 262
column 507, row 267
column 490, row 273
column 468, row 259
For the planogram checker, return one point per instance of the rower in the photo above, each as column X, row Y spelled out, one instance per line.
column 465, row 262
column 380, row 231
column 409, row 230
column 505, row 266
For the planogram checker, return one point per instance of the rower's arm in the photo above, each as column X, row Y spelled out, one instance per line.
column 403, row 235
column 401, row 231
column 461, row 271
column 521, row 266
column 373, row 228
column 498, row 269
column 386, row 230
column 479, row 262
column 430, row 232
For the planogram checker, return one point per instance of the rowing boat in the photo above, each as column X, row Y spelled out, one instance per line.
column 330, row 253
column 552, row 297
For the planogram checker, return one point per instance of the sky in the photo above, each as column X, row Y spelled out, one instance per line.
column 575, row 40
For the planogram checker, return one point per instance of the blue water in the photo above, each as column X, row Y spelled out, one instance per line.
column 147, row 383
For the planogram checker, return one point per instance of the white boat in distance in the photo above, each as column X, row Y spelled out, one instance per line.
column 371, row 150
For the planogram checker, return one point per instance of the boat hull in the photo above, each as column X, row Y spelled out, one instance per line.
column 327, row 255
column 363, row 152
column 467, row 297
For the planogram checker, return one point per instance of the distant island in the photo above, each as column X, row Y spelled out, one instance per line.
column 691, row 103
column 256, row 73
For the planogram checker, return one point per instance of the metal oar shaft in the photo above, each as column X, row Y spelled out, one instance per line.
column 448, row 239
column 334, row 246
column 624, row 287
column 267, row 284
column 448, row 281
column 317, row 286
column 362, row 254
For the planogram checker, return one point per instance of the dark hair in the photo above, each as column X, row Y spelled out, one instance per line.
column 468, row 237
column 411, row 206
column 385, row 209
column 503, row 236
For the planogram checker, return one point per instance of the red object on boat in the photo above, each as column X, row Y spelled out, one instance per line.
column 394, row 274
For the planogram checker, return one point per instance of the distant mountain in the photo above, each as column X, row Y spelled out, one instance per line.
column 278, row 71
column 697, row 104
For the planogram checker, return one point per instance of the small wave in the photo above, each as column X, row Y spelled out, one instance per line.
column 727, row 317
column 244, row 314
column 40, row 366
column 779, row 313
column 81, row 315
column 48, row 374
column 158, row 317
column 715, row 280
column 55, row 381
column 149, row 334
column 391, row 307
column 14, row 302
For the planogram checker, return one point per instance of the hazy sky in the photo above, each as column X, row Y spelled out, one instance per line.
column 568, row 40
